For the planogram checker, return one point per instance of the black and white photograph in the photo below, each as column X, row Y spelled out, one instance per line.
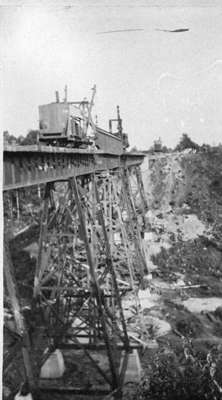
column 111, row 199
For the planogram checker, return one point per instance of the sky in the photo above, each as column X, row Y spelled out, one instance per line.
column 165, row 83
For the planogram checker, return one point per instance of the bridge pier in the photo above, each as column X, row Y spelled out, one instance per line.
column 90, row 253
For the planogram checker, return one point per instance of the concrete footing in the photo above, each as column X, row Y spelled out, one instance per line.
column 134, row 370
column 54, row 367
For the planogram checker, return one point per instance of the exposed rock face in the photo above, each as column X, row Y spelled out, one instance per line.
column 191, row 182
column 184, row 193
column 183, row 246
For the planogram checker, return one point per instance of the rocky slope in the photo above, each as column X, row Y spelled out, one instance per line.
column 184, row 255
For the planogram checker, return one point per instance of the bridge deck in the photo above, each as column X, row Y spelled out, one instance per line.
column 32, row 165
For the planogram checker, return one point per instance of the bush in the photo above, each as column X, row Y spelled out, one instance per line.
column 185, row 376
column 186, row 143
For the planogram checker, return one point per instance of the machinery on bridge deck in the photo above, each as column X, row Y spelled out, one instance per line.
column 71, row 124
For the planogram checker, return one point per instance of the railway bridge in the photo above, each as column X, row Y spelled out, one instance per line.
column 89, row 220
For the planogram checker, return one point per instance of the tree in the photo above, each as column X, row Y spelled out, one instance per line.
column 31, row 138
column 8, row 139
column 186, row 143
column 20, row 140
column 134, row 148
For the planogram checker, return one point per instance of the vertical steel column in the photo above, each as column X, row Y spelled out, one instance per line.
column 95, row 286
column 40, row 265
column 110, row 213
column 93, row 246
column 127, row 193
column 19, row 323
column 141, row 191
column 111, row 268
column 17, row 204
column 129, row 259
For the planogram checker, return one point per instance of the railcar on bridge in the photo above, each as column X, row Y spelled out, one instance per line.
column 70, row 124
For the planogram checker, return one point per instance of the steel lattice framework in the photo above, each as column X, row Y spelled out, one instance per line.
column 90, row 253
